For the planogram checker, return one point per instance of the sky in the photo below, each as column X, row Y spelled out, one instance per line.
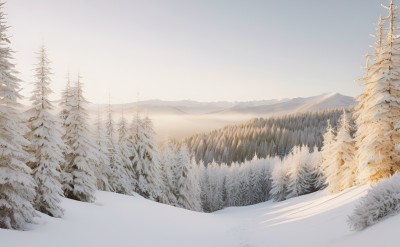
column 208, row 50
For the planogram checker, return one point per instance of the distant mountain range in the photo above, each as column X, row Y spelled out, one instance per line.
column 254, row 108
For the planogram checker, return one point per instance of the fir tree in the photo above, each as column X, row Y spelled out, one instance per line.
column 187, row 182
column 119, row 180
column 146, row 165
column 17, row 187
column 168, row 167
column 378, row 107
column 345, row 150
column 126, row 152
column 79, row 182
column 46, row 143
column 103, row 170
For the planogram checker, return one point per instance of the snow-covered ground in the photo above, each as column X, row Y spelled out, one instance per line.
column 117, row 220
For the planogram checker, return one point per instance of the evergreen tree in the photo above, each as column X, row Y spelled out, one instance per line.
column 46, row 143
column 79, row 182
column 378, row 107
column 280, row 182
column 300, row 173
column 126, row 152
column 168, row 167
column 232, row 186
column 65, row 105
column 120, row 181
column 186, row 182
column 146, row 165
column 345, row 149
column 328, row 153
column 103, row 170
column 17, row 187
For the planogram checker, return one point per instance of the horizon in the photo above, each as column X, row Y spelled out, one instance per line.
column 226, row 101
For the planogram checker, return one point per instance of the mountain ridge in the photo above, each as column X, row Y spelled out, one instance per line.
column 256, row 107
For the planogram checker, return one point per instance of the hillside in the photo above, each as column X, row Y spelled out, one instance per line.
column 117, row 220
column 273, row 136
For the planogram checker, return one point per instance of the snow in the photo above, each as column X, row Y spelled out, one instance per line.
column 116, row 220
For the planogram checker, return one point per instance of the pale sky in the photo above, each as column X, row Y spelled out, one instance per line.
column 206, row 50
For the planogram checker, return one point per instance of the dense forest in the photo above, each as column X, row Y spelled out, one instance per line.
column 266, row 137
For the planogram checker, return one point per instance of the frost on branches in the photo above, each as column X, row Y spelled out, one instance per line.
column 103, row 170
column 119, row 180
column 46, row 143
column 147, row 163
column 382, row 201
column 17, row 187
column 378, row 108
column 79, row 182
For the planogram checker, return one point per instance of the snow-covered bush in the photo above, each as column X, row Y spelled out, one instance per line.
column 382, row 201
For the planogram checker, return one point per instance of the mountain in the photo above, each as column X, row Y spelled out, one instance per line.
column 313, row 220
column 178, row 119
column 289, row 106
column 257, row 108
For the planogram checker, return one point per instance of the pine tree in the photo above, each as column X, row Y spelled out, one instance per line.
column 126, row 152
column 378, row 107
column 119, row 180
column 232, row 186
column 79, row 182
column 103, row 170
column 345, row 149
column 46, row 143
column 17, row 187
column 280, row 182
column 328, row 153
column 168, row 167
column 300, row 173
column 66, row 97
column 186, row 182
column 146, row 165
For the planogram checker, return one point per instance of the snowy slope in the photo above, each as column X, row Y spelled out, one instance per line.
column 117, row 220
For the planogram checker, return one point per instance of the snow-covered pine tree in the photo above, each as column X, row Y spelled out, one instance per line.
column 186, row 182
column 232, row 186
column 119, row 180
column 66, row 97
column 17, row 187
column 300, row 172
column 318, row 179
column 244, row 186
column 46, row 143
column 345, row 149
column 65, row 105
column 264, row 173
column 146, row 165
column 126, row 152
column 378, row 107
column 103, row 170
column 280, row 182
column 79, row 182
column 168, row 163
column 205, row 187
column 328, row 153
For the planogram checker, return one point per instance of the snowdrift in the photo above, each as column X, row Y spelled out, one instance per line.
column 117, row 220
